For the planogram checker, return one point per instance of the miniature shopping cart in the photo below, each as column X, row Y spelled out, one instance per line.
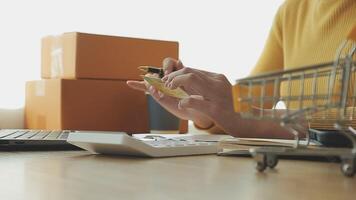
column 322, row 95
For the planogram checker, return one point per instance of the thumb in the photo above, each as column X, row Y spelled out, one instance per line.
column 137, row 85
column 179, row 65
column 171, row 64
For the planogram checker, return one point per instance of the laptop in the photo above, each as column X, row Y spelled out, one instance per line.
column 105, row 142
column 34, row 139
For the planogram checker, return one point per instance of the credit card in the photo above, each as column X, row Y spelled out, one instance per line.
column 159, row 85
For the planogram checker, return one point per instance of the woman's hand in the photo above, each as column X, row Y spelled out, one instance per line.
column 171, row 103
column 209, row 103
column 210, row 94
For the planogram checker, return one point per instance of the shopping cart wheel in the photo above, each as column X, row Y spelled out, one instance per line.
column 261, row 162
column 272, row 161
column 348, row 167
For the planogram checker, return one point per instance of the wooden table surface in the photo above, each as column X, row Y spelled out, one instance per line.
column 79, row 175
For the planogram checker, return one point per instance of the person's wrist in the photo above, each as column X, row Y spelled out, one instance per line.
column 230, row 122
column 203, row 124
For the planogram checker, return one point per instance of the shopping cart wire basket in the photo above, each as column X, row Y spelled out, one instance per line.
column 322, row 95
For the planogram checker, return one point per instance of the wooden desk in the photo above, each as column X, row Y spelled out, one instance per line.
column 78, row 175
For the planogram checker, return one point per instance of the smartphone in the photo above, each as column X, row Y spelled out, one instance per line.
column 330, row 138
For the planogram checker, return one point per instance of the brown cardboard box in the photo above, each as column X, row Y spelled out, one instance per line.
column 80, row 55
column 107, row 105
column 85, row 105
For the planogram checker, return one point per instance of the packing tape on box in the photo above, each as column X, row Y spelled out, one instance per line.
column 40, row 88
column 56, row 57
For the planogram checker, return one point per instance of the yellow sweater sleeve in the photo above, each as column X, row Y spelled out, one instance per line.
column 304, row 32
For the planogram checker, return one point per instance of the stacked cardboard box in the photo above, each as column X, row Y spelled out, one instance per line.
column 84, row 83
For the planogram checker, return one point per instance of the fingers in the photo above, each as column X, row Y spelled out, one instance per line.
column 179, row 65
column 137, row 85
column 197, row 102
column 186, row 70
column 169, row 103
column 193, row 81
column 145, row 87
column 170, row 65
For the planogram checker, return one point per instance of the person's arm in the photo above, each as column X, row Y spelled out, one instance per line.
column 209, row 105
column 271, row 59
column 213, row 128
column 170, row 103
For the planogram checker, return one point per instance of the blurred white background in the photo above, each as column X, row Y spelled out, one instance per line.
column 221, row 36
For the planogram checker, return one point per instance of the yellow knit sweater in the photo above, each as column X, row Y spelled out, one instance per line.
column 305, row 32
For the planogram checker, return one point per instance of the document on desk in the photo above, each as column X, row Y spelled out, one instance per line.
column 241, row 146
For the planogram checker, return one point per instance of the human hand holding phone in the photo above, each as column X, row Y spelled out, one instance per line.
column 168, row 102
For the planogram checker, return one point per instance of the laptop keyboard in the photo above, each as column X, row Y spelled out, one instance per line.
column 18, row 134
